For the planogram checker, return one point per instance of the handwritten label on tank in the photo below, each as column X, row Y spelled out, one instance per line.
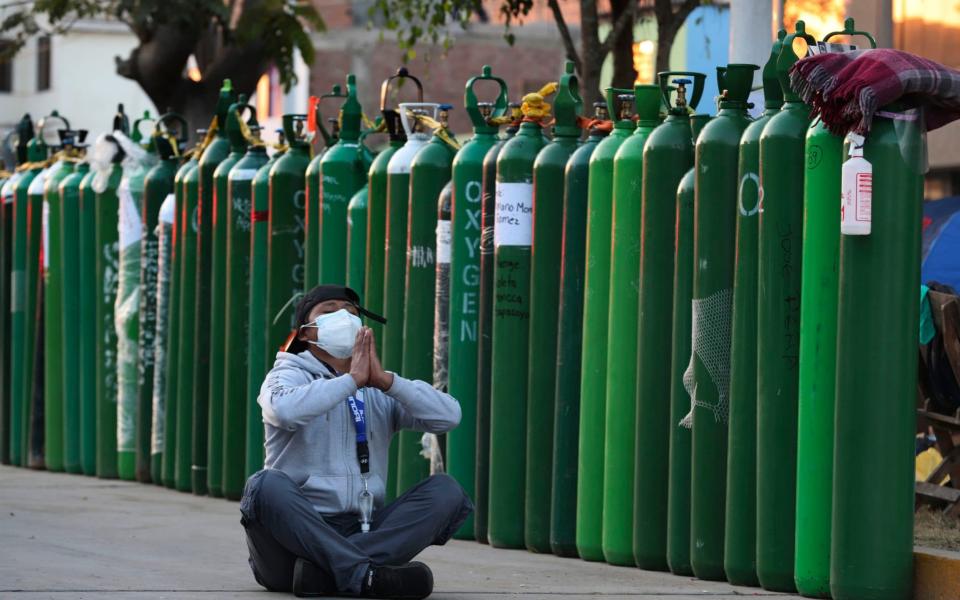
column 511, row 300
column 514, row 214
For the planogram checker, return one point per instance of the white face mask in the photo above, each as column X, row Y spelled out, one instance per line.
column 336, row 332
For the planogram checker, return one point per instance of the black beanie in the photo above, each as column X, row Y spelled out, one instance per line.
column 319, row 294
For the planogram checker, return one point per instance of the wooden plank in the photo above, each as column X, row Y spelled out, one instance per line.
column 948, row 421
column 950, row 465
column 937, row 492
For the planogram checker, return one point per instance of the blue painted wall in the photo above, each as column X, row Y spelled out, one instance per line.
column 707, row 44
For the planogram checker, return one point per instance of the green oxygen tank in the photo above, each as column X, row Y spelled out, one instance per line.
column 313, row 182
column 512, row 240
column 217, row 455
column 377, row 217
column 6, row 235
column 53, row 291
column 485, row 333
column 545, row 261
column 740, row 538
column 566, row 415
column 667, row 156
column 596, row 303
column 13, row 319
column 208, row 301
column 639, row 205
column 395, row 236
column 160, row 438
column 6, row 249
column 20, row 136
column 171, row 360
column 30, row 167
column 33, row 426
column 678, row 492
column 70, row 261
column 106, row 181
column 6, row 240
column 464, row 267
column 25, row 257
column 818, row 357
column 285, row 252
column 778, row 327
column 139, row 384
column 818, row 353
column 157, row 211
column 357, row 241
column 877, row 324
column 429, row 172
column 621, row 382
column 7, row 195
column 133, row 421
column 394, row 269
column 342, row 174
column 441, row 312
column 162, row 421
column 258, row 359
column 187, row 318
column 235, row 373
column 715, row 235
column 377, row 213
column 86, row 301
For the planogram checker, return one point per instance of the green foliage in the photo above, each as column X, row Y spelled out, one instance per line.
column 431, row 20
column 279, row 25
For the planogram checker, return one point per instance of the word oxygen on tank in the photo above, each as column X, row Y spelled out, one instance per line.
column 469, row 274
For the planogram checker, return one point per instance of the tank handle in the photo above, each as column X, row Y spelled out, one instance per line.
column 850, row 29
column 481, row 122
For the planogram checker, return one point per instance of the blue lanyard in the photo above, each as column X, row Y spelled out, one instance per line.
column 357, row 408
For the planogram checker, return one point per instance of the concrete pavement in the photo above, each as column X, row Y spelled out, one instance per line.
column 69, row 536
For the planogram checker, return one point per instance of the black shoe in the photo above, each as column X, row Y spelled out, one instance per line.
column 309, row 581
column 411, row 581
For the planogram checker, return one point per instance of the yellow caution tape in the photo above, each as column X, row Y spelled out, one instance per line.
column 438, row 129
column 535, row 105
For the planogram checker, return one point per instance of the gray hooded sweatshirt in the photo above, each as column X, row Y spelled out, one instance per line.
column 310, row 433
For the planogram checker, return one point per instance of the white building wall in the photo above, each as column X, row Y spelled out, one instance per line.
column 84, row 85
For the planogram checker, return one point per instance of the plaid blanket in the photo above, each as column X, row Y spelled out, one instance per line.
column 846, row 89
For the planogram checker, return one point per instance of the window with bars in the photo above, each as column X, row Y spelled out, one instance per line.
column 6, row 67
column 43, row 63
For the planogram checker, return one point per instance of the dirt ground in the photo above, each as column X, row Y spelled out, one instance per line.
column 933, row 529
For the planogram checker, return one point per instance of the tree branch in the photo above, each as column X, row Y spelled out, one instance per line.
column 243, row 65
column 625, row 19
column 670, row 20
column 568, row 44
column 684, row 11
column 157, row 62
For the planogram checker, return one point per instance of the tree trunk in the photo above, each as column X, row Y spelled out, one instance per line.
column 666, row 34
column 668, row 24
column 158, row 63
column 624, row 73
column 591, row 55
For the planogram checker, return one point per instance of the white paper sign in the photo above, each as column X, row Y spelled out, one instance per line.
column 242, row 174
column 46, row 235
column 167, row 209
column 444, row 241
column 514, row 215
column 130, row 228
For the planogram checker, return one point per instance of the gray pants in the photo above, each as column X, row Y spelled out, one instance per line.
column 282, row 525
